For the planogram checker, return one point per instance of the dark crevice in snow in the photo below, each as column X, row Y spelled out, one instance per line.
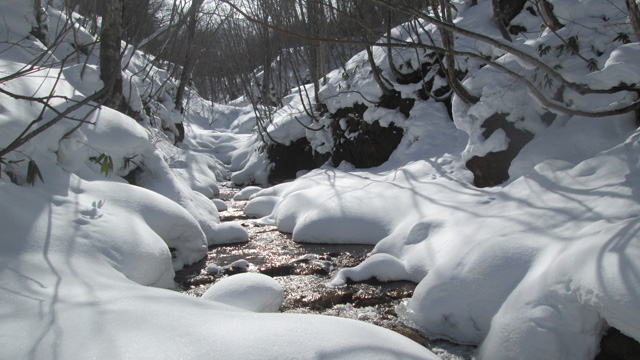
column 288, row 160
column 493, row 168
column 617, row 346
column 362, row 144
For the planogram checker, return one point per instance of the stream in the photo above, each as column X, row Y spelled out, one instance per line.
column 303, row 270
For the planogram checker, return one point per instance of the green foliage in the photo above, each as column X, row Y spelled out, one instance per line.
column 106, row 164
column 543, row 50
column 32, row 173
column 547, row 82
column 592, row 64
column 622, row 37
column 572, row 45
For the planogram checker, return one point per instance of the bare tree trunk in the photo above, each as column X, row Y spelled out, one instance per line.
column 186, row 67
column 634, row 16
column 313, row 51
column 394, row 70
column 110, row 48
column 41, row 30
column 268, row 54
column 376, row 73
column 267, row 73
column 549, row 17
column 450, row 59
column 501, row 20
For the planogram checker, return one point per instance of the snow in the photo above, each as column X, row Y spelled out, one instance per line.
column 261, row 206
column 248, row 291
column 246, row 193
column 538, row 267
column 83, row 256
column 220, row 205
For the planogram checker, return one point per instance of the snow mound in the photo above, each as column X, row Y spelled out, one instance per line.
column 219, row 204
column 228, row 233
column 246, row 193
column 261, row 206
column 248, row 291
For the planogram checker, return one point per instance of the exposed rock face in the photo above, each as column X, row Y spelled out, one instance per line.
column 617, row 346
column 287, row 160
column 493, row 168
column 362, row 144
column 511, row 8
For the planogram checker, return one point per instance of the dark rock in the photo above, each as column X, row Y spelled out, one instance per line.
column 232, row 270
column 511, row 8
column 328, row 299
column 415, row 76
column 516, row 29
column 198, row 280
column 180, row 135
column 362, row 299
column 132, row 175
column 274, row 270
column 617, row 346
column 371, row 146
column 413, row 335
column 396, row 101
column 493, row 168
column 287, row 160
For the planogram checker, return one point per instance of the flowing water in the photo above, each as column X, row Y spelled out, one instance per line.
column 304, row 270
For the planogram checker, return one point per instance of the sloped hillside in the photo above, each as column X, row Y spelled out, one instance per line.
column 516, row 212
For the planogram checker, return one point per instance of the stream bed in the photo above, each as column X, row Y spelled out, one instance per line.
column 304, row 270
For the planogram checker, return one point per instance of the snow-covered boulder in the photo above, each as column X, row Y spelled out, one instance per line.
column 248, row 291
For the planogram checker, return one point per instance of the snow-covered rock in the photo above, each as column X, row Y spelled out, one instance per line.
column 249, row 291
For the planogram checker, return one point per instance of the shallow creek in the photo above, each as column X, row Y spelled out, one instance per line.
column 304, row 270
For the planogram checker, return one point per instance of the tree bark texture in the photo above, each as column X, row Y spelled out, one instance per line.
column 110, row 52
column 634, row 16
column 501, row 20
column 313, row 52
column 41, row 30
column 188, row 59
column 549, row 17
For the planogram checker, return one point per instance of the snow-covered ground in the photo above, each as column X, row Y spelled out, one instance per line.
column 538, row 267
column 84, row 256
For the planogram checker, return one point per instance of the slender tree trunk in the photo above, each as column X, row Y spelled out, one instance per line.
column 376, row 73
column 267, row 73
column 110, row 48
column 450, row 60
column 394, row 70
column 501, row 20
column 634, row 16
column 188, row 59
column 41, row 30
column 313, row 51
column 549, row 17
column 265, row 35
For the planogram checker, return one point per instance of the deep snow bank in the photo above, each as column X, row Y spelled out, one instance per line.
column 73, row 256
column 79, row 253
column 537, row 267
